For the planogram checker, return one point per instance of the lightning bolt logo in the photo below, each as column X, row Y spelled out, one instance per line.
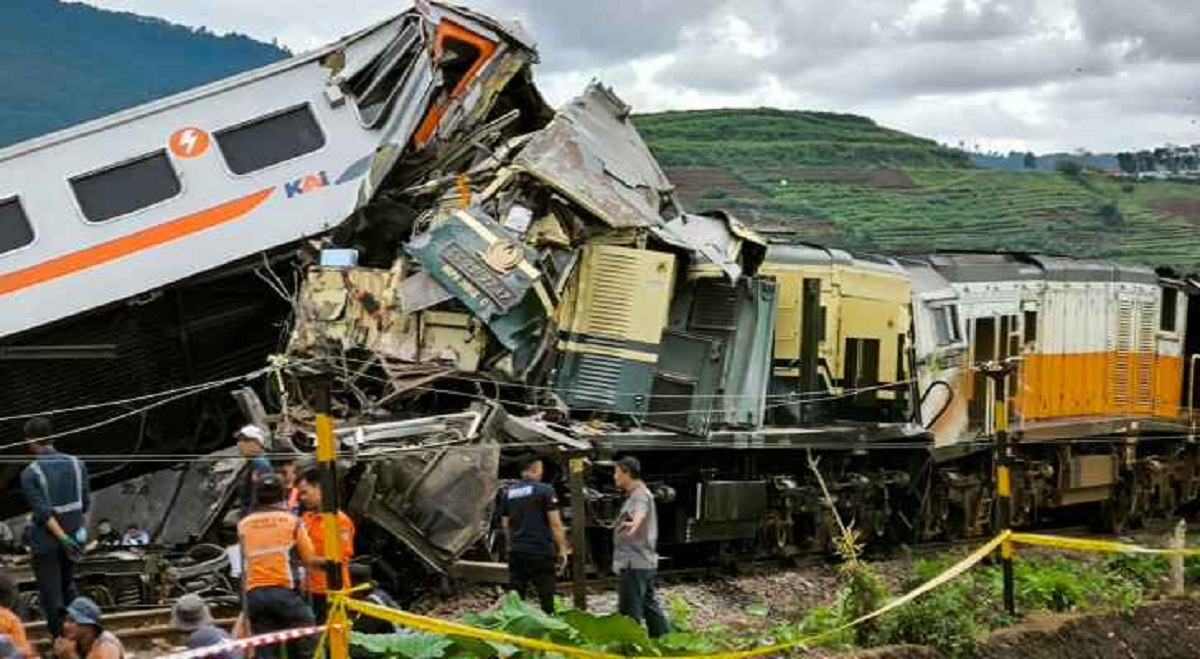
column 189, row 142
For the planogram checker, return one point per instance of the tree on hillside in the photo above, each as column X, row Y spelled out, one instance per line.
column 1068, row 167
column 1127, row 161
column 1030, row 161
column 1145, row 162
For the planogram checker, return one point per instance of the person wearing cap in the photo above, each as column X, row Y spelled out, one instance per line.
column 316, row 584
column 83, row 635
column 251, row 445
column 191, row 615
column 56, row 487
column 274, row 545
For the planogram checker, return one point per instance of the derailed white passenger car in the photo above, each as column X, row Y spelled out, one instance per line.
column 121, row 206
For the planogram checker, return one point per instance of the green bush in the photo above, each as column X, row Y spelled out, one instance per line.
column 679, row 612
column 1148, row 571
column 612, row 633
column 943, row 619
column 1111, row 215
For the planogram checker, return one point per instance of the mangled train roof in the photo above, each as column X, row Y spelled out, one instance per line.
column 592, row 154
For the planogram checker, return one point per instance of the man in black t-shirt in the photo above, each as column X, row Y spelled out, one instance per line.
column 529, row 515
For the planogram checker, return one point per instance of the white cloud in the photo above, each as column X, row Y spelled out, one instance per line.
column 1023, row 74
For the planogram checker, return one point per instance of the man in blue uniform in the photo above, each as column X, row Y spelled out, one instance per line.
column 530, row 517
column 56, row 487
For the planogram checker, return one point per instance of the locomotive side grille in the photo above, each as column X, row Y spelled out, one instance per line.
column 598, row 380
column 715, row 307
column 614, row 298
column 1145, row 350
column 1121, row 348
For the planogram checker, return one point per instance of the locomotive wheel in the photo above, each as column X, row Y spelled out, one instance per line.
column 1119, row 512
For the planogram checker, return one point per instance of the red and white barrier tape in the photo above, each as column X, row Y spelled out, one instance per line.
column 272, row 638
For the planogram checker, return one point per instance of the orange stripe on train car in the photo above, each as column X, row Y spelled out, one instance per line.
column 1085, row 384
column 486, row 47
column 131, row 244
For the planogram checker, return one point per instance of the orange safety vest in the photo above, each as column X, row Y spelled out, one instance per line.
column 11, row 625
column 314, row 580
column 269, row 541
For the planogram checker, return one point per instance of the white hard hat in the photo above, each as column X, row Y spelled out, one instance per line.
column 251, row 431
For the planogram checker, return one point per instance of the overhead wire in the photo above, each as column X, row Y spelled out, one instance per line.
column 532, row 387
column 168, row 396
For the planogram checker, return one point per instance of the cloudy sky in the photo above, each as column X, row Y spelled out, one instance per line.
column 1001, row 74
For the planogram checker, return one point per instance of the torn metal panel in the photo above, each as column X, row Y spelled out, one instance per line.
column 716, row 240
column 437, row 79
column 490, row 272
column 421, row 291
column 531, row 434
column 347, row 308
column 380, row 437
column 433, row 501
column 591, row 154
column 177, row 505
column 457, row 339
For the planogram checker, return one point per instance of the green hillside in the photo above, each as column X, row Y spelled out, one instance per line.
column 843, row 180
column 65, row 63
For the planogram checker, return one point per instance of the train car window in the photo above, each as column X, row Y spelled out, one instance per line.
column 376, row 86
column 945, row 325
column 15, row 230
column 1030, row 326
column 270, row 140
column 127, row 187
column 1170, row 305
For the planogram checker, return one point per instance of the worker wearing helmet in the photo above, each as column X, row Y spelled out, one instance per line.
column 274, row 546
column 251, row 445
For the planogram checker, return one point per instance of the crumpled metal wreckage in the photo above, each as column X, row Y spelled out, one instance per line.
column 540, row 282
column 511, row 277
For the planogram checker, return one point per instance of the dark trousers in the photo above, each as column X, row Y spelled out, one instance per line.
column 320, row 606
column 535, row 569
column 55, row 574
column 276, row 609
column 637, row 598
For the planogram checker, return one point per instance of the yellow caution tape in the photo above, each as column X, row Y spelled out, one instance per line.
column 426, row 624
column 437, row 626
column 1004, row 539
column 1101, row 546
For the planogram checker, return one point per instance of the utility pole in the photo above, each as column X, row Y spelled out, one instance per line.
column 998, row 373
column 337, row 632
column 575, row 471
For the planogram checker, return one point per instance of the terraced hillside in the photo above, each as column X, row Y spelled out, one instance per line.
column 843, row 180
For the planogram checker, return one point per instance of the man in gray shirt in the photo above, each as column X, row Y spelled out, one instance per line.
column 634, row 557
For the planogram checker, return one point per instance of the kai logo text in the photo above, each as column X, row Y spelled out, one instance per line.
column 306, row 184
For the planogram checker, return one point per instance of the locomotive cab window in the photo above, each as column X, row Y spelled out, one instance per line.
column 127, row 187
column 15, row 230
column 1170, row 304
column 1029, row 325
column 270, row 140
column 945, row 325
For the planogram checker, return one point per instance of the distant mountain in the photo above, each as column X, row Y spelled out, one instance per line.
column 65, row 63
column 1015, row 162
